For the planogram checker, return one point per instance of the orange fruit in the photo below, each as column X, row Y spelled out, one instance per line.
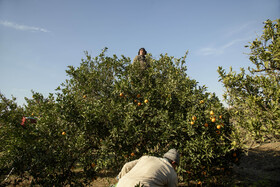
column 138, row 95
column 201, row 102
column 211, row 112
column 132, row 154
column 139, row 104
column 84, row 96
column 63, row 133
column 213, row 119
column 219, row 126
column 206, row 124
column 146, row 101
column 135, row 101
column 220, row 116
column 194, row 118
column 192, row 122
column 121, row 94
column 199, row 182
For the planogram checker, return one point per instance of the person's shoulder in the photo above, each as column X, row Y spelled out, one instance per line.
column 149, row 157
column 146, row 156
column 164, row 160
column 136, row 58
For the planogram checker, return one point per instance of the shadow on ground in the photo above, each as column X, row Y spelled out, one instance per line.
column 260, row 166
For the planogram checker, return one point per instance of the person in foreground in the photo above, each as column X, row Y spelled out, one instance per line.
column 150, row 171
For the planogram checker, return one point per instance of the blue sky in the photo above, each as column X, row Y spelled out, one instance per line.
column 39, row 39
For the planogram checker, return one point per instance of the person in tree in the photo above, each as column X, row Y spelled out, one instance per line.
column 140, row 60
column 151, row 171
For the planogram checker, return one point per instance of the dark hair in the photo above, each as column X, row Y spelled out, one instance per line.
column 145, row 52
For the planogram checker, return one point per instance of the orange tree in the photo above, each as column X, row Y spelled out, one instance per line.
column 10, row 134
column 254, row 97
column 111, row 111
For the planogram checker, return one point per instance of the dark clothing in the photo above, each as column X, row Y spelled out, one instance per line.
column 140, row 62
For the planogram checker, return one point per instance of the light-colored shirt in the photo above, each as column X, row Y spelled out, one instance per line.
column 148, row 171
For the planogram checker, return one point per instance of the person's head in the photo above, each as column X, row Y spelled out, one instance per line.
column 173, row 156
column 142, row 51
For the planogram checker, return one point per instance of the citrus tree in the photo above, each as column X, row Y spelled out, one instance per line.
column 10, row 132
column 254, row 96
column 111, row 111
column 46, row 147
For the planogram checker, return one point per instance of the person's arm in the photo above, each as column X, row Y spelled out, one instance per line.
column 173, row 180
column 173, row 184
column 126, row 168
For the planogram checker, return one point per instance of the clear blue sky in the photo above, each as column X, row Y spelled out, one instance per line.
column 39, row 39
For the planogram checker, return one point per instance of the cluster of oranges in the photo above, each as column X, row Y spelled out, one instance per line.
column 213, row 119
column 136, row 100
column 131, row 154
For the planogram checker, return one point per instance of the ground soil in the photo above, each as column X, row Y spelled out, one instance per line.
column 259, row 166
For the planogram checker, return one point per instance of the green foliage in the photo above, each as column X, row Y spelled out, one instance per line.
column 10, row 131
column 254, row 98
column 110, row 112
